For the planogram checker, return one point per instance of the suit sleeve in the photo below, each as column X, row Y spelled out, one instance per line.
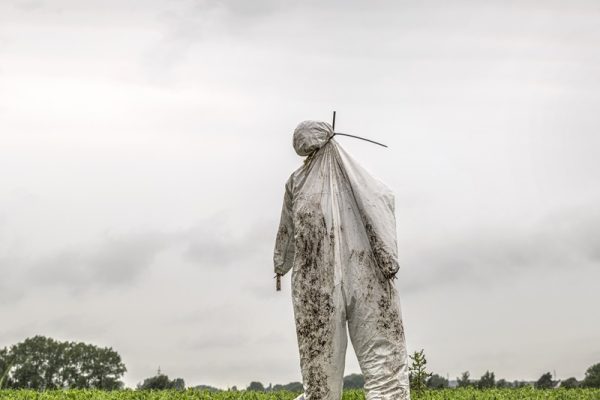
column 283, row 256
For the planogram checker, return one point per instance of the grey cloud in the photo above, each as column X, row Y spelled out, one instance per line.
column 182, row 28
column 270, row 338
column 262, row 8
column 202, row 315
column 67, row 326
column 13, row 334
column 68, row 267
column 10, row 293
column 11, row 290
column 190, row 23
column 189, row 20
column 116, row 261
column 76, row 324
column 227, row 340
column 265, row 289
column 211, row 244
column 30, row 5
column 119, row 260
column 570, row 240
column 214, row 249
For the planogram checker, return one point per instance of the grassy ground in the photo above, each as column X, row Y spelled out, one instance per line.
column 190, row 394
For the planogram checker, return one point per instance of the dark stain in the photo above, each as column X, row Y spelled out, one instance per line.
column 389, row 321
column 313, row 281
column 370, row 288
column 404, row 393
column 283, row 230
column 384, row 260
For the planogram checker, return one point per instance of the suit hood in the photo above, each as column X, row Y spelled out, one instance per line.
column 310, row 136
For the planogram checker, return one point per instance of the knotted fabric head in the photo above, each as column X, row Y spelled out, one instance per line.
column 310, row 136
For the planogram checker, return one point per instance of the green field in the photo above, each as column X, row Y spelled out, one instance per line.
column 192, row 394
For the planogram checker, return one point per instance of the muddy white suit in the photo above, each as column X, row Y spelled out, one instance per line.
column 338, row 236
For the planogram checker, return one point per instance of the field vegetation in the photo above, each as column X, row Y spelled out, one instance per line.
column 355, row 394
column 45, row 369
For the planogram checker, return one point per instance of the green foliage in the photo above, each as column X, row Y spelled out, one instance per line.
column 43, row 363
column 487, row 381
column 545, row 381
column 502, row 384
column 520, row 384
column 256, row 386
column 161, row 382
column 436, row 381
column 290, row 387
column 592, row 377
column 5, row 365
column 570, row 383
column 418, row 374
column 194, row 394
column 210, row 388
column 354, row 381
column 463, row 381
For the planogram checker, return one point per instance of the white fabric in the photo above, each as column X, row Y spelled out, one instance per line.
column 338, row 237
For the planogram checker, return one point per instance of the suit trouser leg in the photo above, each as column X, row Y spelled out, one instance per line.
column 377, row 335
column 320, row 316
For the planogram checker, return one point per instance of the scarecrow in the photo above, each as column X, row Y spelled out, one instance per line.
column 337, row 235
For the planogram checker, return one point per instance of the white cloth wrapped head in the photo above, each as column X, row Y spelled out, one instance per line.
column 310, row 136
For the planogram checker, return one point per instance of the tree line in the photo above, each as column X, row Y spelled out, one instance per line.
column 421, row 379
column 42, row 363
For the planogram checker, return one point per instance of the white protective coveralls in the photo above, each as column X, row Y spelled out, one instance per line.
column 338, row 236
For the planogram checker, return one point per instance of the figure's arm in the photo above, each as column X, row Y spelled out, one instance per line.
column 395, row 266
column 380, row 225
column 375, row 203
column 283, row 256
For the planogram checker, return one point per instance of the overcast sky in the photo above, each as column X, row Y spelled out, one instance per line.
column 144, row 147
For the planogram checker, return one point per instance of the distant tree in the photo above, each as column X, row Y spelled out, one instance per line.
column 178, row 383
column 161, row 382
column 503, row 384
column 436, row 381
column 354, row 381
column 157, row 382
column 5, row 365
column 210, row 388
column 256, row 386
column 592, row 377
column 520, row 384
column 294, row 387
column 463, row 381
column 418, row 374
column 290, row 387
column 569, row 383
column 234, row 388
column 42, row 363
column 486, row 381
column 545, row 381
